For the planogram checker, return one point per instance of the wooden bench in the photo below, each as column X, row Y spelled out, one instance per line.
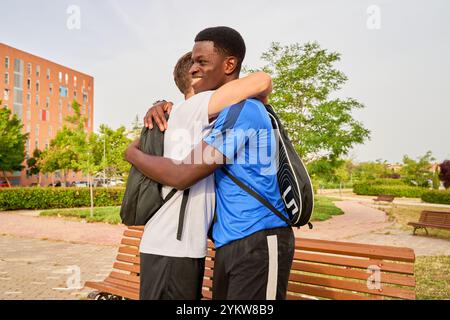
column 432, row 219
column 123, row 281
column 320, row 270
column 385, row 198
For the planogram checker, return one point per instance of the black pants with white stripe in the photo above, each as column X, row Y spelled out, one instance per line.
column 256, row 267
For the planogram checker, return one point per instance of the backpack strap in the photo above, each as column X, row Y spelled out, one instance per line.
column 256, row 196
column 170, row 195
column 182, row 213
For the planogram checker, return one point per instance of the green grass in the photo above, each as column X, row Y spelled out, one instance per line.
column 324, row 208
column 432, row 277
column 101, row 214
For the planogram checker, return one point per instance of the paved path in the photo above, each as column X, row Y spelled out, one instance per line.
column 26, row 224
column 35, row 269
column 364, row 224
column 358, row 219
column 48, row 258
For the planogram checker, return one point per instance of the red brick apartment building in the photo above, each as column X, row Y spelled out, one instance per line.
column 41, row 92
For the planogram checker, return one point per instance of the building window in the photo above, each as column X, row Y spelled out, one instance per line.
column 48, row 74
column 29, row 98
column 67, row 78
column 6, row 62
column 6, row 94
column 60, row 76
column 37, row 100
column 36, row 131
column 37, row 86
column 85, row 98
column 43, row 115
column 29, row 69
column 28, row 118
column 50, row 131
column 63, row 91
column 47, row 102
column 36, row 144
column 74, row 94
column 6, row 78
column 50, row 88
column 29, row 84
column 69, row 107
column 74, row 81
column 38, row 71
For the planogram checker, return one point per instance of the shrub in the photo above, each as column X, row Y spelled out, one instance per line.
column 393, row 190
column 51, row 198
column 386, row 182
column 437, row 196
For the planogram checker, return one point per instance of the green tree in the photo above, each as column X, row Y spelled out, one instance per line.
column 418, row 172
column 33, row 168
column 304, row 77
column 371, row 170
column 12, row 143
column 109, row 151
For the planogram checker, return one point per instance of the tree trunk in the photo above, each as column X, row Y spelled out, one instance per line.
column 6, row 178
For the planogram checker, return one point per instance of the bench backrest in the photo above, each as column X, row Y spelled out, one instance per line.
column 321, row 269
column 126, row 268
column 349, row 271
column 385, row 198
column 435, row 217
column 343, row 271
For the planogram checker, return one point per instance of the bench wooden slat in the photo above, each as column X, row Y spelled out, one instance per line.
column 354, row 286
column 123, row 276
column 351, row 273
column 356, row 249
column 140, row 228
column 207, row 295
column 207, row 283
column 208, row 273
column 133, row 234
column 129, row 259
column 130, row 250
column 126, row 267
column 129, row 293
column 324, row 293
column 123, row 283
column 363, row 263
column 130, row 242
column 209, row 264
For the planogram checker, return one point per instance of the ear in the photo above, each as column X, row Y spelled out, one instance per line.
column 230, row 65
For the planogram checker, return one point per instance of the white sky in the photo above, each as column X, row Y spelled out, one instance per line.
column 401, row 72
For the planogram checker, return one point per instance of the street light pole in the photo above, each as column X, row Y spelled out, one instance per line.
column 104, row 160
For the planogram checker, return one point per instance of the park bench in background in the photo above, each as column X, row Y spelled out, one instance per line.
column 432, row 219
column 385, row 198
column 320, row 270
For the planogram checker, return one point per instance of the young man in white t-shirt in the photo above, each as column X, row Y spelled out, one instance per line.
column 172, row 248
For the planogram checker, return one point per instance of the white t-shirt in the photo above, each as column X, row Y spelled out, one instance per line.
column 187, row 126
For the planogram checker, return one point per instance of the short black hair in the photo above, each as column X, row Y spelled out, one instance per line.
column 181, row 73
column 227, row 40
